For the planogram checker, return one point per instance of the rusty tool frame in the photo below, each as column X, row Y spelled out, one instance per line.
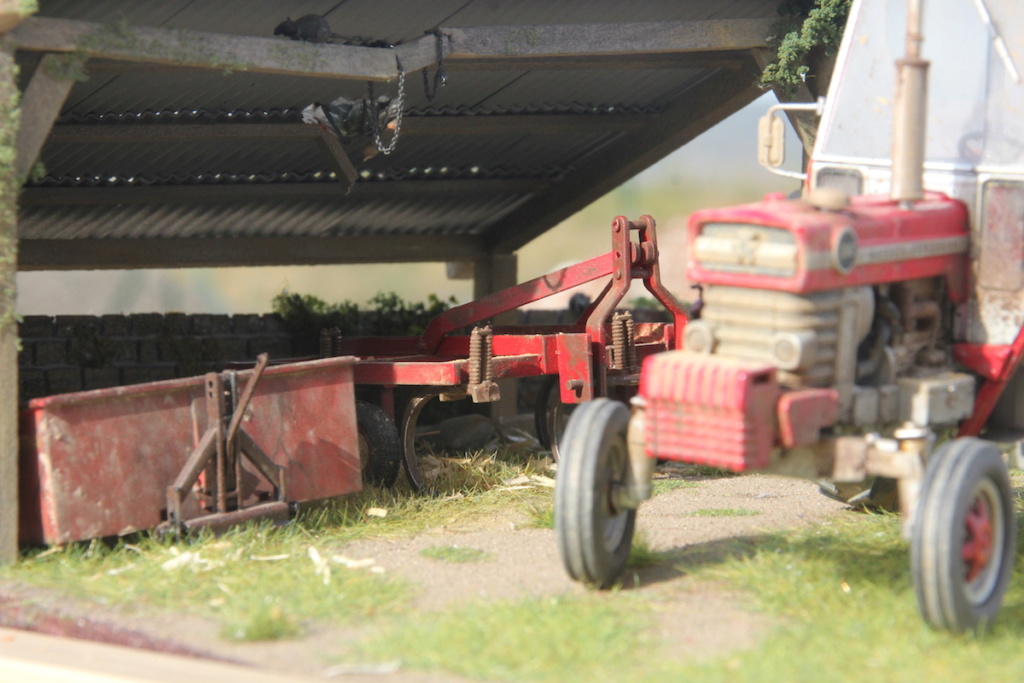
column 217, row 458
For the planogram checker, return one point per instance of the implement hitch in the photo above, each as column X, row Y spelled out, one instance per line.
column 214, row 469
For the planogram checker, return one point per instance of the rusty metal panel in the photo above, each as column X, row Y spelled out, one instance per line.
column 706, row 410
column 575, row 368
column 411, row 373
column 98, row 463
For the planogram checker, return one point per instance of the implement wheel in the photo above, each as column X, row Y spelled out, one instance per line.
column 594, row 536
column 964, row 535
column 409, row 421
column 380, row 450
column 550, row 416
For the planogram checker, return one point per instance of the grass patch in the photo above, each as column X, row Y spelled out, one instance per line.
column 665, row 485
column 453, row 553
column 844, row 582
column 542, row 516
column 550, row 639
column 268, row 621
column 705, row 471
column 262, row 581
column 848, row 582
column 724, row 512
column 641, row 554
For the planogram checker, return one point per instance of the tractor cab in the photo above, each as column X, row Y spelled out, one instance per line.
column 973, row 132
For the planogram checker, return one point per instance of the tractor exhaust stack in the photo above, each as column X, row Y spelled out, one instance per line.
column 910, row 114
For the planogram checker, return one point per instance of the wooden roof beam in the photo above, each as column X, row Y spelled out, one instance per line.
column 40, row 106
column 572, row 45
column 132, row 253
column 203, row 50
column 559, row 46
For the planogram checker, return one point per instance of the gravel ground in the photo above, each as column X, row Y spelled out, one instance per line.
column 522, row 562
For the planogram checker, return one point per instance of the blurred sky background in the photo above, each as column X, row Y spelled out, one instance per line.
column 717, row 169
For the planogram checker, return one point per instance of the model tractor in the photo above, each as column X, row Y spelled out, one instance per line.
column 866, row 335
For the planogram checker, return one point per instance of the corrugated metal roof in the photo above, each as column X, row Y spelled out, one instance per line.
column 167, row 127
column 464, row 215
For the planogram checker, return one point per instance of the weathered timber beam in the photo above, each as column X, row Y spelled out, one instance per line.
column 725, row 59
column 574, row 43
column 204, row 50
column 524, row 124
column 12, row 13
column 710, row 101
column 131, row 253
column 333, row 150
column 592, row 40
column 731, row 59
column 40, row 105
column 9, row 508
column 213, row 194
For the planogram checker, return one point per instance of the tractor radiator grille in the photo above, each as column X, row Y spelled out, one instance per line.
column 746, row 323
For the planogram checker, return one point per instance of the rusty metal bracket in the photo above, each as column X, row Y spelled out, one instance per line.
column 622, row 354
column 482, row 388
column 218, row 458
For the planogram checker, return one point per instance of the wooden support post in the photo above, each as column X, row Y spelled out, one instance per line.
column 11, row 14
column 44, row 97
column 8, row 321
column 490, row 274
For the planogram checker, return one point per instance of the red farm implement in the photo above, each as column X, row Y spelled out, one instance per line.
column 599, row 355
column 248, row 443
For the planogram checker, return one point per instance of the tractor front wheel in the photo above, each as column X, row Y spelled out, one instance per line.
column 594, row 535
column 964, row 534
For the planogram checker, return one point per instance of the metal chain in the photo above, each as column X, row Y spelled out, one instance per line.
column 440, row 76
column 399, row 104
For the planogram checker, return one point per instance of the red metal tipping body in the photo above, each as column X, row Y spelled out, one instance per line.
column 710, row 411
column 98, row 463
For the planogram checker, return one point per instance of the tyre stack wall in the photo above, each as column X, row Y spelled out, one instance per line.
column 69, row 353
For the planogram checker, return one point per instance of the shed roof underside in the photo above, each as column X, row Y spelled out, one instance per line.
column 185, row 145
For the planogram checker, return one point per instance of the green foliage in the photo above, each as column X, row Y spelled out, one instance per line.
column 642, row 555
column 665, row 485
column 807, row 27
column 10, row 114
column 543, row 516
column 268, row 621
column 386, row 314
column 454, row 553
column 544, row 639
column 68, row 66
column 724, row 512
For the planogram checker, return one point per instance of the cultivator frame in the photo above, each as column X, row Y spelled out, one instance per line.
column 598, row 355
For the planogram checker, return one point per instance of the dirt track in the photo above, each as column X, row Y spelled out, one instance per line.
column 522, row 562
